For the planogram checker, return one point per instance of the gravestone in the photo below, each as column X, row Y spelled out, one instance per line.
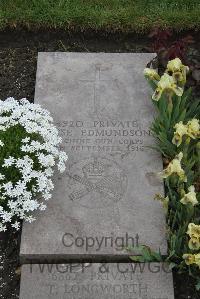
column 97, row 281
column 104, row 201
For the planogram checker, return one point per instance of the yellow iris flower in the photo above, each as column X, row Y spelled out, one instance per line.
column 193, row 230
column 181, row 130
column 194, row 244
column 194, row 233
column 190, row 197
column 197, row 259
column 167, row 85
column 178, row 70
column 151, row 74
column 175, row 167
column 193, row 128
column 189, row 259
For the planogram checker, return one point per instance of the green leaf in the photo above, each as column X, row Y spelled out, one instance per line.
column 137, row 258
column 172, row 265
column 198, row 285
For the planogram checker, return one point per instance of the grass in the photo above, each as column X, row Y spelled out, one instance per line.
column 110, row 15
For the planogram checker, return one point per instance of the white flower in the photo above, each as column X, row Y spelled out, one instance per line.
column 46, row 160
column 25, row 165
column 2, row 176
column 48, row 172
column 42, row 207
column 61, row 166
column 8, row 187
column 47, row 196
column 62, row 160
column 2, row 227
column 19, row 189
column 30, row 219
column 2, row 128
column 6, row 216
column 16, row 225
column 12, row 205
column 63, row 156
column 26, row 140
column 30, row 205
column 33, row 163
column 8, row 162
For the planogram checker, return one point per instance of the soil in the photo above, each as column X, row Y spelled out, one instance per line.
column 9, row 264
column 18, row 60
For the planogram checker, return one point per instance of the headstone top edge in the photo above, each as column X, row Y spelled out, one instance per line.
column 97, row 54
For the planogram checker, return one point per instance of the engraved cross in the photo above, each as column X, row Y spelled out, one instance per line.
column 96, row 86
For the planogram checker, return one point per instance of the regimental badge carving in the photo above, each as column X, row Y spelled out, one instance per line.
column 96, row 182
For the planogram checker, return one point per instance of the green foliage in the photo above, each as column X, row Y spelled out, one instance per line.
column 170, row 111
column 112, row 15
column 143, row 254
column 12, row 138
column 184, row 109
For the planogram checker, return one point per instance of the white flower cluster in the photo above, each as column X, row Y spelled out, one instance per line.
column 20, row 198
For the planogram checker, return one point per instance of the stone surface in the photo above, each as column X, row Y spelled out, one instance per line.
column 110, row 281
column 104, row 201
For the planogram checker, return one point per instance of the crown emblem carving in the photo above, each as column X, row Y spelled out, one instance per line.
column 95, row 169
